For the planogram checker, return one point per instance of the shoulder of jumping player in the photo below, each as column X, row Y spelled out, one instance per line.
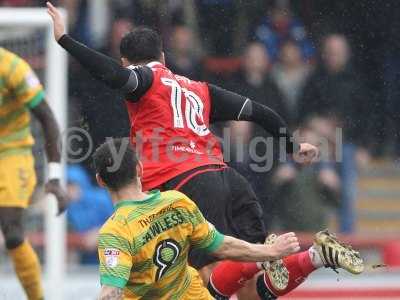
column 139, row 82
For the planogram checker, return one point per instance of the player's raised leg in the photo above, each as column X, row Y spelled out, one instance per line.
column 282, row 276
column 228, row 202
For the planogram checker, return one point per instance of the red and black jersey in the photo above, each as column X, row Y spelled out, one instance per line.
column 170, row 114
column 170, row 127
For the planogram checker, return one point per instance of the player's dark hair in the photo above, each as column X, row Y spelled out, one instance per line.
column 141, row 45
column 106, row 159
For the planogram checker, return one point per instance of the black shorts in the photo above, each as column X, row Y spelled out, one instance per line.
column 226, row 200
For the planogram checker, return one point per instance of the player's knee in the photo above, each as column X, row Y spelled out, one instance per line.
column 13, row 241
column 13, row 235
column 263, row 291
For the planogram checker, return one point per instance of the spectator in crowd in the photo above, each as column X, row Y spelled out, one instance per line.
column 249, row 152
column 306, row 196
column 335, row 91
column 90, row 207
column 119, row 28
column 216, row 20
column 253, row 79
column 290, row 74
column 280, row 25
column 182, row 54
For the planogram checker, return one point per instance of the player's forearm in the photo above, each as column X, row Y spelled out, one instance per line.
column 99, row 65
column 50, row 129
column 270, row 121
column 236, row 249
column 229, row 106
column 111, row 293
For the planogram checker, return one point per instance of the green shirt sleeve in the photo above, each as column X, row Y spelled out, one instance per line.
column 114, row 254
column 204, row 236
column 216, row 242
column 113, row 281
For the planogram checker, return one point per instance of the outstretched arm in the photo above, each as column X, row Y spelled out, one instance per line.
column 50, row 130
column 111, row 293
column 235, row 249
column 100, row 66
column 52, row 136
column 205, row 236
column 229, row 106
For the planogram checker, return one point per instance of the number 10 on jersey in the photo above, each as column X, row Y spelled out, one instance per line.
column 193, row 108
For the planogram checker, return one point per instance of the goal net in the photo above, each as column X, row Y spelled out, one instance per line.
column 28, row 33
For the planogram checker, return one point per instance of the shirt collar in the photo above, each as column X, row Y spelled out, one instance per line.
column 154, row 195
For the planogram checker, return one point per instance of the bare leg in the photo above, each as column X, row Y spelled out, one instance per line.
column 25, row 260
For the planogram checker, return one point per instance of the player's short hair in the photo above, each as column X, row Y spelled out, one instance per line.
column 141, row 45
column 106, row 159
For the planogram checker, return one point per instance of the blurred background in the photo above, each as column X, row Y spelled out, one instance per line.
column 330, row 68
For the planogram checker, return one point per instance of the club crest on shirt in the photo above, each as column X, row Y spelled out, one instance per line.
column 111, row 255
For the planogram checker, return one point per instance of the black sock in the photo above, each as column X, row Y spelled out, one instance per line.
column 215, row 293
column 263, row 291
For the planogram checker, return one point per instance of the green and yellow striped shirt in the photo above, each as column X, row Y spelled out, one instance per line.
column 144, row 247
column 20, row 90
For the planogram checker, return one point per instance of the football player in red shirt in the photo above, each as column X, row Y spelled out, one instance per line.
column 170, row 117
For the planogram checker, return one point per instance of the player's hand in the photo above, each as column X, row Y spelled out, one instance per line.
column 285, row 245
column 54, row 187
column 307, row 154
column 58, row 22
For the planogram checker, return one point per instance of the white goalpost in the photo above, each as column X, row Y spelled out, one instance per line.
column 56, row 93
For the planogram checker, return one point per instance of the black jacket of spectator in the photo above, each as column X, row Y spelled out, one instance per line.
column 266, row 93
column 192, row 70
column 342, row 96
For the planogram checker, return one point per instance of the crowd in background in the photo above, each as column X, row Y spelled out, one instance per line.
column 312, row 62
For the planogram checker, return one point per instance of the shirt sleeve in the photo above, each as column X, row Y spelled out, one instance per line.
column 134, row 81
column 204, row 235
column 229, row 106
column 136, row 87
column 24, row 83
column 114, row 248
